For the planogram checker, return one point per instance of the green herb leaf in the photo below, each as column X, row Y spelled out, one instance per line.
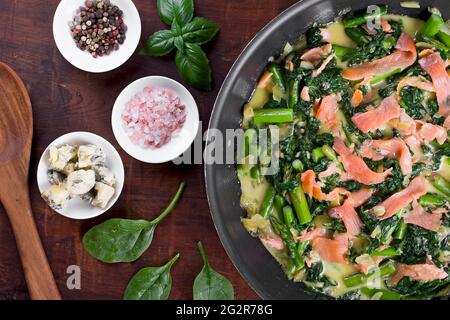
column 123, row 240
column 178, row 33
column 159, row 44
column 151, row 283
column 180, row 10
column 200, row 31
column 210, row 285
column 193, row 66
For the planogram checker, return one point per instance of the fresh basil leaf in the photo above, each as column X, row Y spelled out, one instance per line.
column 177, row 31
column 159, row 44
column 124, row 240
column 200, row 31
column 151, row 283
column 193, row 66
column 180, row 10
column 210, row 285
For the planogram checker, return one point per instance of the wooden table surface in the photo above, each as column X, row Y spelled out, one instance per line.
column 66, row 99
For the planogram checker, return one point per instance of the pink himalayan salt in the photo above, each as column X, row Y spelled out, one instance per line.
column 153, row 116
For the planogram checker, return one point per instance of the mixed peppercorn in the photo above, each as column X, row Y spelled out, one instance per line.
column 98, row 27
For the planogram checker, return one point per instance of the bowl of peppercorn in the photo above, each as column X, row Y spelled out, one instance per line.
column 96, row 35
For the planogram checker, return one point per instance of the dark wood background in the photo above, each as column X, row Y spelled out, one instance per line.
column 66, row 99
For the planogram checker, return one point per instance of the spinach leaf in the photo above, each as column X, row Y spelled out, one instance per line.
column 193, row 66
column 199, row 31
column 151, row 283
column 210, row 285
column 159, row 44
column 181, row 11
column 124, row 240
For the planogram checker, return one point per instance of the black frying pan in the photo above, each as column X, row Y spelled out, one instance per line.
column 249, row 256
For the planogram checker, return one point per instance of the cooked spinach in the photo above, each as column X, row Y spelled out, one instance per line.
column 375, row 46
column 124, row 240
column 210, row 285
column 417, row 245
column 313, row 37
column 412, row 99
column 419, row 290
column 151, row 283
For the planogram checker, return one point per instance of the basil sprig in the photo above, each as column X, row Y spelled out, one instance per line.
column 186, row 36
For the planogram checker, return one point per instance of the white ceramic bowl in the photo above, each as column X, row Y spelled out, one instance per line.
column 77, row 208
column 82, row 59
column 179, row 142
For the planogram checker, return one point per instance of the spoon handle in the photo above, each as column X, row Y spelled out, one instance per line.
column 38, row 275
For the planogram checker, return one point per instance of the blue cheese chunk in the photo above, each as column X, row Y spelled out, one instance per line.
column 60, row 157
column 56, row 197
column 104, row 194
column 80, row 181
column 103, row 174
column 90, row 156
column 55, row 177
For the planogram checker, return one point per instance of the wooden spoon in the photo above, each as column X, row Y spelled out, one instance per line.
column 16, row 132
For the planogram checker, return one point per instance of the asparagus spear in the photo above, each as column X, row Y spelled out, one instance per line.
column 431, row 200
column 442, row 185
column 432, row 26
column 300, row 205
column 358, row 279
column 273, row 115
column 357, row 36
column 267, row 204
column 277, row 76
column 353, row 21
column 288, row 215
column 294, row 86
column 285, row 234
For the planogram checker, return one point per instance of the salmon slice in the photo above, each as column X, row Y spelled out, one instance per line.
column 417, row 82
column 327, row 112
column 427, row 132
column 386, row 26
column 316, row 54
column 304, row 94
column 435, row 66
column 392, row 148
column 333, row 169
column 418, row 272
column 416, row 147
column 421, row 218
column 273, row 241
column 357, row 98
column 403, row 57
column 404, row 124
column 447, row 123
column 349, row 217
column 355, row 166
column 326, row 34
column 331, row 250
column 401, row 199
column 365, row 263
column 265, row 79
column 322, row 67
column 347, row 212
column 313, row 189
column 358, row 198
column 375, row 118
column 313, row 234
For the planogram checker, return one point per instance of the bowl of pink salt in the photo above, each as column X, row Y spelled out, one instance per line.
column 155, row 119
